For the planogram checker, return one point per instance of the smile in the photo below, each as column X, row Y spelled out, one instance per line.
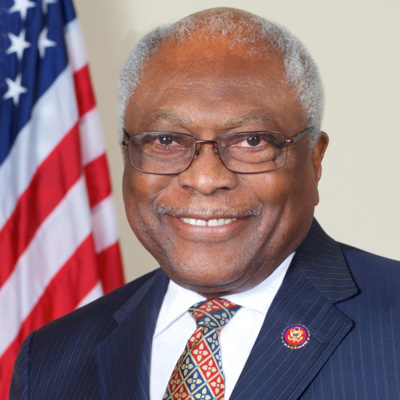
column 210, row 222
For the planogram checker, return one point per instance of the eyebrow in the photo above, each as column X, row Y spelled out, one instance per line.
column 169, row 116
column 257, row 115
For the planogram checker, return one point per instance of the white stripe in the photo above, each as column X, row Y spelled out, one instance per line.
column 94, row 294
column 75, row 46
column 54, row 114
column 105, row 232
column 91, row 135
column 54, row 243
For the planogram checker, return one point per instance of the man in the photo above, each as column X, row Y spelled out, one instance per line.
column 220, row 131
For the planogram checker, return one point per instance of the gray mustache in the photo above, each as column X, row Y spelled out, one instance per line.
column 207, row 212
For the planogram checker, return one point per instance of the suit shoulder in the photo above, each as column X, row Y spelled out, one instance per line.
column 63, row 350
column 97, row 314
column 371, row 270
column 356, row 256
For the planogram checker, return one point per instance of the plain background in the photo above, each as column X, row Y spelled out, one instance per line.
column 356, row 45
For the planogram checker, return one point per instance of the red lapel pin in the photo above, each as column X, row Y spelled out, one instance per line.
column 295, row 336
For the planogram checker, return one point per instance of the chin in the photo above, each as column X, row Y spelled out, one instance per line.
column 205, row 278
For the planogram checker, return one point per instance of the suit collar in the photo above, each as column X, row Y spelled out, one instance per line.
column 321, row 260
column 317, row 279
column 123, row 358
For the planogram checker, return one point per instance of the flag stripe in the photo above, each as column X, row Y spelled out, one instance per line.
column 36, row 134
column 75, row 48
column 19, row 294
column 98, row 187
column 110, row 256
column 57, row 300
column 86, row 99
column 89, row 127
column 101, row 217
column 47, row 127
column 49, row 185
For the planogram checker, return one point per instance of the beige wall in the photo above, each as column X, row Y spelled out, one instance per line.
column 357, row 47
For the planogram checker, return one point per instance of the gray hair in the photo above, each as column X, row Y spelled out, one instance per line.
column 301, row 71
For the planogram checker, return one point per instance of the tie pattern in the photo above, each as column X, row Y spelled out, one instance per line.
column 198, row 373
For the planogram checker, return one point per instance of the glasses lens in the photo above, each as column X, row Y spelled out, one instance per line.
column 171, row 153
column 253, row 151
column 161, row 153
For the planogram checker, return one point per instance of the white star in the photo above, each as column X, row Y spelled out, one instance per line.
column 46, row 3
column 15, row 89
column 18, row 44
column 22, row 7
column 44, row 42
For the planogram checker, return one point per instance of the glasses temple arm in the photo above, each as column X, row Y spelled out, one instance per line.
column 294, row 139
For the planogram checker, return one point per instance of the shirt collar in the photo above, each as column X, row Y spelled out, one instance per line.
column 178, row 300
column 260, row 297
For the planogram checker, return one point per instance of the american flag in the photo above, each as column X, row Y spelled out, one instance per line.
column 58, row 238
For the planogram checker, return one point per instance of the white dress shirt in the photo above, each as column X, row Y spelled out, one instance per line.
column 175, row 325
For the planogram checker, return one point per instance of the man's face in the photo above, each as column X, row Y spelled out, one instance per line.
column 206, row 88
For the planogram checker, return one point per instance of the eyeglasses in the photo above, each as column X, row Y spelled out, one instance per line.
column 167, row 153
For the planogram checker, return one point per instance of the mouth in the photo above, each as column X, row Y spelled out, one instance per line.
column 207, row 216
column 205, row 224
column 210, row 222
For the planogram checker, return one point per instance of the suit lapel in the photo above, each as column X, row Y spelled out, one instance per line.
column 317, row 279
column 123, row 358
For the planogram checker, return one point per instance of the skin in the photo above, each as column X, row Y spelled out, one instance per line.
column 207, row 88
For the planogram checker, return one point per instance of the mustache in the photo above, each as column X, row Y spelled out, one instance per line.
column 207, row 212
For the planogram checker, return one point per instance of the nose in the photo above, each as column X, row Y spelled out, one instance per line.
column 199, row 143
column 207, row 173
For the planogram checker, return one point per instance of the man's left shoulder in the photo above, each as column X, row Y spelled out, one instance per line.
column 355, row 256
column 371, row 270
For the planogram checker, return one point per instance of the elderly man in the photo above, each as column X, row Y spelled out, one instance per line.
column 220, row 135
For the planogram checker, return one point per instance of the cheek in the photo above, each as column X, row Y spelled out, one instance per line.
column 139, row 187
column 271, row 189
column 140, row 191
column 287, row 190
column 137, row 198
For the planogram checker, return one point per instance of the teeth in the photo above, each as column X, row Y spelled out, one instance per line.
column 211, row 222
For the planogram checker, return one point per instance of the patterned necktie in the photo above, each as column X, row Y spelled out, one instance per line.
column 198, row 372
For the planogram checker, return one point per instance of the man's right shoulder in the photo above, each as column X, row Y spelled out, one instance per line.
column 98, row 313
column 64, row 350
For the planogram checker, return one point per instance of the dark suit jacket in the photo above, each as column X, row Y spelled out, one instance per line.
column 348, row 299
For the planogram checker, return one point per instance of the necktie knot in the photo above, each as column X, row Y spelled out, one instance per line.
column 213, row 313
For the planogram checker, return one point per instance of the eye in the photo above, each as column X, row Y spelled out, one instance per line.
column 252, row 141
column 243, row 141
column 165, row 140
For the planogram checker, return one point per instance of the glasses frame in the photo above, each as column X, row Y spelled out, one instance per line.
column 197, row 146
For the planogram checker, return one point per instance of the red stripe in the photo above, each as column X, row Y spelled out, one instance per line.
column 66, row 290
column 110, row 268
column 97, row 180
column 50, row 183
column 84, row 91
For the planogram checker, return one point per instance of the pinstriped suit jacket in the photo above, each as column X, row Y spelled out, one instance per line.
column 347, row 298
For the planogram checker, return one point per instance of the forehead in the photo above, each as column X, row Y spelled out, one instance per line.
column 214, row 76
column 200, row 60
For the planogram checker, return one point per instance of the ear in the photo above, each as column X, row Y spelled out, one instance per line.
column 122, row 152
column 318, row 155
